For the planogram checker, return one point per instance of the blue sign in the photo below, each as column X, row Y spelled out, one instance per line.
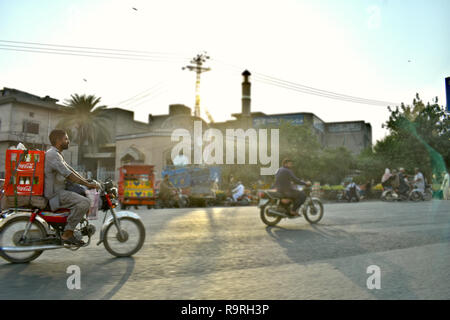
column 447, row 92
column 295, row 119
column 191, row 176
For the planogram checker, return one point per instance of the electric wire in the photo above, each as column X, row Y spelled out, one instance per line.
column 82, row 54
column 137, row 55
column 140, row 100
column 140, row 95
column 259, row 77
column 149, row 53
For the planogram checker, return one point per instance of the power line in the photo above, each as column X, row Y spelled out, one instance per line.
column 137, row 55
column 139, row 96
column 82, row 54
column 94, row 48
column 88, row 52
column 309, row 90
column 154, row 96
column 324, row 93
column 159, row 89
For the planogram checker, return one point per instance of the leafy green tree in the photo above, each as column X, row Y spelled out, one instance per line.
column 86, row 122
column 422, row 135
column 419, row 136
column 335, row 164
column 300, row 144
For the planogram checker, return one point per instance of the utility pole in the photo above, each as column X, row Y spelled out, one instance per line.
column 197, row 66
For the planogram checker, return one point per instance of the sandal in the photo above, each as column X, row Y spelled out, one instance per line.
column 294, row 214
column 74, row 241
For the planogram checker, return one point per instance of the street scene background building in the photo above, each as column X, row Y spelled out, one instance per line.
column 27, row 118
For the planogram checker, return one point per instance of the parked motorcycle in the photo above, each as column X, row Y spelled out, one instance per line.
column 26, row 233
column 274, row 207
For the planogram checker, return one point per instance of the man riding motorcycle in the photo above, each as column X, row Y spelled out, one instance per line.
column 56, row 172
column 419, row 181
column 352, row 191
column 166, row 189
column 283, row 183
column 237, row 191
column 404, row 186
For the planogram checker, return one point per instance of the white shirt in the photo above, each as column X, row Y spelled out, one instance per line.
column 350, row 185
column 238, row 191
column 421, row 184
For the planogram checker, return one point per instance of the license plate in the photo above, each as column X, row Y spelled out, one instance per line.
column 262, row 202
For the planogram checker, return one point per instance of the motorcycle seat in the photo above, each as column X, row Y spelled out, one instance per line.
column 274, row 194
column 58, row 216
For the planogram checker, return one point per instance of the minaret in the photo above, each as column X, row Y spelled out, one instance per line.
column 246, row 93
column 246, row 99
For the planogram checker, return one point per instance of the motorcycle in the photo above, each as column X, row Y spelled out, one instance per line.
column 178, row 199
column 274, row 207
column 243, row 200
column 26, row 233
column 389, row 194
column 344, row 195
column 417, row 195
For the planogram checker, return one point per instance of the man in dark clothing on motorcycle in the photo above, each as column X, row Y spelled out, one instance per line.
column 403, row 188
column 283, row 183
column 166, row 189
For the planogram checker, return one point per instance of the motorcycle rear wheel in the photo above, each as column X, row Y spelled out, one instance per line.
column 37, row 230
column 113, row 241
column 267, row 218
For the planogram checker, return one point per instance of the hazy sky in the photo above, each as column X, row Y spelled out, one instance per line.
column 376, row 49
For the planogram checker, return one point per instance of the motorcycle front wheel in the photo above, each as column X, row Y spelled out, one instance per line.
column 131, row 240
column 183, row 202
column 415, row 196
column 388, row 196
column 314, row 211
column 10, row 235
column 267, row 218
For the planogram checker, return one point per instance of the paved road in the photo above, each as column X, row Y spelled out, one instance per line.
column 227, row 253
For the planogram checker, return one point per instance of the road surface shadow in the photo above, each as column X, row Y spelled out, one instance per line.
column 345, row 252
column 46, row 280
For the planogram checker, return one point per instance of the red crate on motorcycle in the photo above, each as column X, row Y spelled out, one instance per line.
column 24, row 172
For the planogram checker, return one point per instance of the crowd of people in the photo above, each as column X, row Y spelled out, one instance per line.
column 402, row 183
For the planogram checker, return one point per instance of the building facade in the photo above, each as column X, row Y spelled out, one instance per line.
column 28, row 118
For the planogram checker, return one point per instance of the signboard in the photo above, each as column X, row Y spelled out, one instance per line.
column 318, row 124
column 344, row 127
column 447, row 92
column 295, row 119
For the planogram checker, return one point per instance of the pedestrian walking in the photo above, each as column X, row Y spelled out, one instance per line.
column 445, row 188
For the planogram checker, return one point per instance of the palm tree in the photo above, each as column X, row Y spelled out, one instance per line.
column 86, row 123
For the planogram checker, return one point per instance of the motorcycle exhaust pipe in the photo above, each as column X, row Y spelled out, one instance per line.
column 276, row 213
column 30, row 248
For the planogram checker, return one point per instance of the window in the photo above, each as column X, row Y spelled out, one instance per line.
column 30, row 127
